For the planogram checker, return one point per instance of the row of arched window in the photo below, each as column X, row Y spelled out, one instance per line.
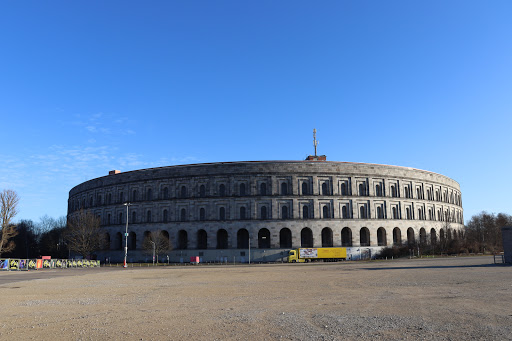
column 183, row 192
column 285, row 238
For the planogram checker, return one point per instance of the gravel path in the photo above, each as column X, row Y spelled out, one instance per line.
column 425, row 299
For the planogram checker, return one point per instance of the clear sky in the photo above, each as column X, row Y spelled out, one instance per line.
column 91, row 86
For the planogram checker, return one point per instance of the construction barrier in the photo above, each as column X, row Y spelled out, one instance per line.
column 17, row 264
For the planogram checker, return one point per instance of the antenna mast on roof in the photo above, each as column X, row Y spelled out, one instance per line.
column 315, row 142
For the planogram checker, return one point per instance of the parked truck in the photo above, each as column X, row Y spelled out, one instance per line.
column 326, row 254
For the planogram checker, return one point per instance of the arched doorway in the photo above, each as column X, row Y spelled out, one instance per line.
column 346, row 236
column 222, row 239
column 118, row 242
column 411, row 240
column 381, row 237
column 327, row 237
column 285, row 238
column 433, row 237
column 397, row 236
column 182, row 240
column 264, row 239
column 423, row 236
column 242, row 239
column 202, row 239
column 306, row 237
column 364, row 237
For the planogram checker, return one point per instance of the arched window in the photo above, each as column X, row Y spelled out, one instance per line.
column 202, row 214
column 149, row 194
column 284, row 212
column 408, row 213
column 394, row 192
column 120, row 221
column 325, row 212
column 99, row 200
column 344, row 212
column 305, row 212
column 361, row 190
column 242, row 189
column 433, row 237
column 109, row 198
column 305, row 188
column 166, row 216
column 242, row 212
column 222, row 190
column 380, row 213
column 148, row 217
column 418, row 193
column 325, row 190
column 166, row 193
column 222, row 213
column 121, row 197
column 134, row 217
column 362, row 212
column 263, row 188
column 284, row 188
column 406, row 192
column 423, row 236
column 134, row 195
column 263, row 212
column 183, row 214
column 410, row 236
column 183, row 192
column 202, row 191
column 344, row 189
column 395, row 212
column 108, row 219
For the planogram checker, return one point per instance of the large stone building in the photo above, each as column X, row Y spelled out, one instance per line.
column 216, row 210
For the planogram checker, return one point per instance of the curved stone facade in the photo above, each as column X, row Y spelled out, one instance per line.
column 277, row 204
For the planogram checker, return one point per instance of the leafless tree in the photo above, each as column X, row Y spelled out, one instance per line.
column 161, row 240
column 9, row 200
column 83, row 233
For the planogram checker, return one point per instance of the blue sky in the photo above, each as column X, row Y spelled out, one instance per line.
column 91, row 86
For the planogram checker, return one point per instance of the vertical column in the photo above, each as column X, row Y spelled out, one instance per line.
column 294, row 186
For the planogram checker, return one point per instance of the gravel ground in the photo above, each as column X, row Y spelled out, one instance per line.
column 424, row 299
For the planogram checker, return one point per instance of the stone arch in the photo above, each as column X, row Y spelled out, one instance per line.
column 346, row 236
column 183, row 214
column 182, row 240
column 242, row 239
column 423, row 236
column 167, row 239
column 327, row 237
column 264, row 239
column 106, row 241
column 433, row 236
column 202, row 213
column 411, row 240
column 284, row 188
column 263, row 188
column 222, row 213
column 202, row 239
column 364, row 236
column 118, row 241
column 325, row 212
column 132, row 241
column 242, row 213
column 381, row 237
column 306, row 237
column 222, row 239
column 285, row 238
column 202, row 191
column 325, row 190
column 305, row 188
column 397, row 236
column 263, row 212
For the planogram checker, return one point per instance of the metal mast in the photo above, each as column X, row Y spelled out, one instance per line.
column 315, row 142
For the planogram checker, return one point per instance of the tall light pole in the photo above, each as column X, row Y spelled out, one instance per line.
column 126, row 236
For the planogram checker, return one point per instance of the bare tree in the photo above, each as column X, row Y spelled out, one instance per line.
column 9, row 200
column 83, row 233
column 161, row 240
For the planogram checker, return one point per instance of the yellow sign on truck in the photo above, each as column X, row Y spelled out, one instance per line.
column 326, row 254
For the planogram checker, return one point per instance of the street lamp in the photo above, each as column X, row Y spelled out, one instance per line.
column 126, row 236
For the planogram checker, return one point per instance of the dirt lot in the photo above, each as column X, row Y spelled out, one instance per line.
column 455, row 299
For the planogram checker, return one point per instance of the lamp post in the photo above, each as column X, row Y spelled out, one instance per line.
column 126, row 236
column 249, row 249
